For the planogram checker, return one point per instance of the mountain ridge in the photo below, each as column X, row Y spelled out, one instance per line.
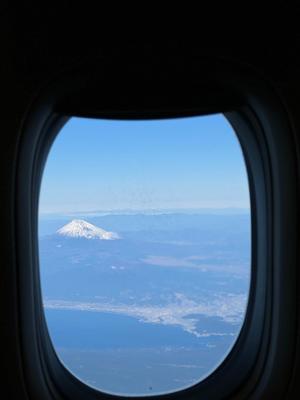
column 78, row 228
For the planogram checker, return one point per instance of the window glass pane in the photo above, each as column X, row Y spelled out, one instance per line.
column 144, row 245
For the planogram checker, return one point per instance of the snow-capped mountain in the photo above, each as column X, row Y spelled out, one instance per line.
column 79, row 228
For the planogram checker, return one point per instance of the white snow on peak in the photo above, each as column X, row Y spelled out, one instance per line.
column 79, row 228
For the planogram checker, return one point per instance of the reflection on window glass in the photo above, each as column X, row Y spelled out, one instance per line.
column 144, row 238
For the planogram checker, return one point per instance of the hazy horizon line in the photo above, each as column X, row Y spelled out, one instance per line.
column 148, row 211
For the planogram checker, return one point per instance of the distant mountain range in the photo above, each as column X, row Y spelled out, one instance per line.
column 79, row 228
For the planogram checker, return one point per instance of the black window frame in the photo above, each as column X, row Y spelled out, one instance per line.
column 264, row 352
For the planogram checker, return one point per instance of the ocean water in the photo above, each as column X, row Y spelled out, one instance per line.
column 120, row 354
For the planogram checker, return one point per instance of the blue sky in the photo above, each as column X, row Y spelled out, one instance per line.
column 160, row 164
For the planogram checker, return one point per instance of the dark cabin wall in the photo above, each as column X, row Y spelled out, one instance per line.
column 34, row 50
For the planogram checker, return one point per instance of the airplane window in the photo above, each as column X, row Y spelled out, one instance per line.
column 144, row 249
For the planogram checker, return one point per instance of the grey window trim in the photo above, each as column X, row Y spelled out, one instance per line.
column 261, row 362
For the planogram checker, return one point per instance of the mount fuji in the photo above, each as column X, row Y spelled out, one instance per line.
column 78, row 228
